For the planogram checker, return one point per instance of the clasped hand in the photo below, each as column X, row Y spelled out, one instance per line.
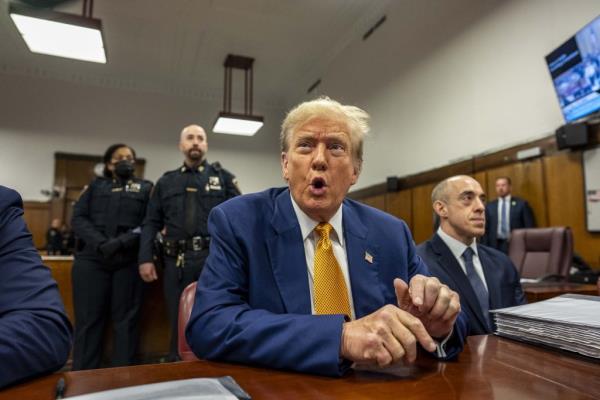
column 426, row 309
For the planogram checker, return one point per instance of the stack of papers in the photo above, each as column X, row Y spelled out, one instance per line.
column 224, row 388
column 569, row 322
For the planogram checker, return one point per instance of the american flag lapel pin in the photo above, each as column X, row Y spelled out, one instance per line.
column 368, row 257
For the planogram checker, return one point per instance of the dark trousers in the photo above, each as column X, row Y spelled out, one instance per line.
column 99, row 291
column 175, row 280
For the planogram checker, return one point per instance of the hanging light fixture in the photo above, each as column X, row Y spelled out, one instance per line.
column 59, row 34
column 244, row 124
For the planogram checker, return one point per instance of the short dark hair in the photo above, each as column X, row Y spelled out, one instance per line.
column 108, row 155
column 504, row 177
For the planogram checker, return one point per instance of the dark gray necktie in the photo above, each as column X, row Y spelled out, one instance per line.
column 477, row 284
column 503, row 218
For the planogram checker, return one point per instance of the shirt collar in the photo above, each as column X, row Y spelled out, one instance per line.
column 507, row 198
column 456, row 246
column 307, row 224
column 199, row 168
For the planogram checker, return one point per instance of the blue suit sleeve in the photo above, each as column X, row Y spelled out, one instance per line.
column 223, row 325
column 35, row 333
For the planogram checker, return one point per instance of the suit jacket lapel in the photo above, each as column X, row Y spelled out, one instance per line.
column 364, row 275
column 513, row 215
column 448, row 262
column 288, row 260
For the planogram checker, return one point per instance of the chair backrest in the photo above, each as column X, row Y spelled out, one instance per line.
column 539, row 252
column 186, row 302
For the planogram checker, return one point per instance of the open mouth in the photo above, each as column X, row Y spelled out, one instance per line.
column 318, row 183
column 318, row 186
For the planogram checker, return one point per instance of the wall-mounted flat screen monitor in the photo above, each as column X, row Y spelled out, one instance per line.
column 575, row 70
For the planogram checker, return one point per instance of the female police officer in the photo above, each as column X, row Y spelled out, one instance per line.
column 106, row 220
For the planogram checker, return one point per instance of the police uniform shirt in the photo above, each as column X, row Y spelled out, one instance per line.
column 209, row 184
column 108, row 207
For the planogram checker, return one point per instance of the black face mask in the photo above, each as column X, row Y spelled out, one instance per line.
column 124, row 169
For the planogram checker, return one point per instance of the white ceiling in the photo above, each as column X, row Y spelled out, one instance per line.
column 178, row 46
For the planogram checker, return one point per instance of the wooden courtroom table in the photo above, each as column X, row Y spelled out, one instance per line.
column 545, row 290
column 489, row 368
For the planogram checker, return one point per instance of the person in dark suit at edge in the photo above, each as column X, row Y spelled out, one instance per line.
column 301, row 278
column 484, row 277
column 504, row 214
column 35, row 332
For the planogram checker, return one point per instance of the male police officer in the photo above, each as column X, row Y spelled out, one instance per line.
column 179, row 207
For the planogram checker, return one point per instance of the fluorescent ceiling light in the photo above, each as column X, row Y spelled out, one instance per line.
column 59, row 34
column 237, row 124
column 231, row 123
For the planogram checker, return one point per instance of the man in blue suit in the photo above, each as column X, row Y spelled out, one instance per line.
column 262, row 298
column 505, row 214
column 485, row 278
column 35, row 333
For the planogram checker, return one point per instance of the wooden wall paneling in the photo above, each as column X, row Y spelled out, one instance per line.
column 547, row 146
column 399, row 204
column 422, row 212
column 566, row 202
column 154, row 322
column 377, row 201
column 437, row 175
column 527, row 182
column 481, row 177
column 37, row 217
column 154, row 325
column 373, row 190
column 61, row 267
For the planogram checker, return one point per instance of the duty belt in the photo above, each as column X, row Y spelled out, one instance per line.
column 174, row 247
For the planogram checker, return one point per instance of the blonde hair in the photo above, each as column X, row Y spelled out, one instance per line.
column 355, row 119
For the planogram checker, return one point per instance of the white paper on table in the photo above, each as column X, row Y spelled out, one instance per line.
column 185, row 389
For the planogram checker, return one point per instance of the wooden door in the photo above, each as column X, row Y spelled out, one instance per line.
column 72, row 172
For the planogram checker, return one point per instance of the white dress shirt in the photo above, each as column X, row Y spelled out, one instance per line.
column 458, row 248
column 310, row 238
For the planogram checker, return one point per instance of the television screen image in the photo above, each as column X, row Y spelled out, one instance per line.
column 575, row 70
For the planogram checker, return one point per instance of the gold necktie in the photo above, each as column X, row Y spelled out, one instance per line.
column 330, row 291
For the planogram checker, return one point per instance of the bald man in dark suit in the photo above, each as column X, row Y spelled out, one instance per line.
column 484, row 277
